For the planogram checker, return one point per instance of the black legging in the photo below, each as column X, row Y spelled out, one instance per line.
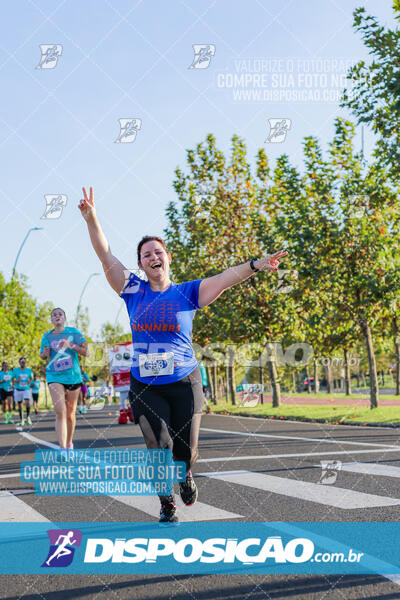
column 169, row 414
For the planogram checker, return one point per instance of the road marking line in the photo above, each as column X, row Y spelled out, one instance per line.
column 304, row 490
column 304, row 439
column 151, row 504
column 295, row 455
column 32, row 438
column 199, row 512
column 13, row 508
column 371, row 469
column 297, row 422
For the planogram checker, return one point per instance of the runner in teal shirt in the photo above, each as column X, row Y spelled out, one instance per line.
column 35, row 387
column 61, row 347
column 22, row 377
column 6, row 392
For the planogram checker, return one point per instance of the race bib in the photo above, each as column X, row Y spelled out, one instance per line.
column 7, row 377
column 62, row 364
column 159, row 363
column 23, row 377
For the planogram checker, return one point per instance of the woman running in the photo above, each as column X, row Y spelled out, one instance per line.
column 166, row 388
column 35, row 387
column 61, row 346
column 22, row 377
column 84, row 394
column 6, row 392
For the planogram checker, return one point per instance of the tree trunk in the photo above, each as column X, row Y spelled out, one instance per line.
column 316, row 375
column 273, row 375
column 231, row 377
column 373, row 378
column 329, row 382
column 397, row 350
column 347, row 372
column 294, row 381
column 210, row 383
column 364, row 380
column 308, row 380
column 261, row 372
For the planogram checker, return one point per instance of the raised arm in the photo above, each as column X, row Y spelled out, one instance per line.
column 212, row 287
column 114, row 270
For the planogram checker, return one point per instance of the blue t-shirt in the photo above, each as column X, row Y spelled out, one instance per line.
column 35, row 386
column 162, row 322
column 6, row 380
column 85, row 377
column 63, row 366
column 22, row 377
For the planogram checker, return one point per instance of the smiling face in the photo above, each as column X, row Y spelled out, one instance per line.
column 22, row 363
column 155, row 260
column 58, row 317
column 4, row 367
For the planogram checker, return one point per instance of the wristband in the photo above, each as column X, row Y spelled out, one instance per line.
column 252, row 265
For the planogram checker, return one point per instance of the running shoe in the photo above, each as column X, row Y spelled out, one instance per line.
column 10, row 420
column 188, row 490
column 5, row 420
column 80, row 410
column 28, row 421
column 22, row 422
column 84, row 411
column 168, row 510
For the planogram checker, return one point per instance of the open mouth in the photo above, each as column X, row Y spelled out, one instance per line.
column 156, row 266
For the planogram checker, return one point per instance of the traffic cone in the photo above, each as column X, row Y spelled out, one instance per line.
column 123, row 416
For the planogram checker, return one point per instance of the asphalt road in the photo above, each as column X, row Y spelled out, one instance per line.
column 249, row 470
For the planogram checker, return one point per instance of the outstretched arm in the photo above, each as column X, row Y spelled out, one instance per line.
column 212, row 287
column 114, row 270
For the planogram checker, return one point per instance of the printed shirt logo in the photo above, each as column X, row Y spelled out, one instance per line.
column 62, row 550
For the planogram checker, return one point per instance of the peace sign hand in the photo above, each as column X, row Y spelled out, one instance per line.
column 270, row 261
column 86, row 205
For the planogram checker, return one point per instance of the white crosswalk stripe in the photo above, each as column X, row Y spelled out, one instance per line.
column 198, row 512
column 304, row 490
column 371, row 469
column 15, row 510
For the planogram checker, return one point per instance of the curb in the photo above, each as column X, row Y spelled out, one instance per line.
column 307, row 420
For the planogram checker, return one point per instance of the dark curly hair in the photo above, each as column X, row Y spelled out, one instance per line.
column 149, row 238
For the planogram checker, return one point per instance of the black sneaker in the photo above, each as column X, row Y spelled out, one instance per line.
column 168, row 510
column 188, row 490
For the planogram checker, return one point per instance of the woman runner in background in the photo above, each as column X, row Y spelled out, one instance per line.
column 6, row 392
column 62, row 345
column 35, row 387
column 166, row 387
column 22, row 377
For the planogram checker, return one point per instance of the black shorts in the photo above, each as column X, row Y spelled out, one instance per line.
column 5, row 394
column 167, row 413
column 68, row 386
column 35, row 396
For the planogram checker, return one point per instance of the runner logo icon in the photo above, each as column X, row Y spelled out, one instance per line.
column 61, row 551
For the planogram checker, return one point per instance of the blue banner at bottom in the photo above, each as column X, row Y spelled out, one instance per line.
column 200, row 548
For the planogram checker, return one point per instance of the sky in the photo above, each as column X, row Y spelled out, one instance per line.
column 124, row 60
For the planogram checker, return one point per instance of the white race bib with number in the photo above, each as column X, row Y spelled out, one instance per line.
column 62, row 364
column 159, row 363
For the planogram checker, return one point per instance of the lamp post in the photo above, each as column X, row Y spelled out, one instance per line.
column 20, row 248
column 118, row 313
column 82, row 292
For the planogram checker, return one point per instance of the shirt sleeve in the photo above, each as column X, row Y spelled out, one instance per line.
column 44, row 343
column 132, row 286
column 190, row 290
column 78, row 337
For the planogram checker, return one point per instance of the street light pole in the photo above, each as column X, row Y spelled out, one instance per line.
column 82, row 292
column 118, row 313
column 20, row 248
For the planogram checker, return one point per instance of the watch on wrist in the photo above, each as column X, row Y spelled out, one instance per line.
column 252, row 265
